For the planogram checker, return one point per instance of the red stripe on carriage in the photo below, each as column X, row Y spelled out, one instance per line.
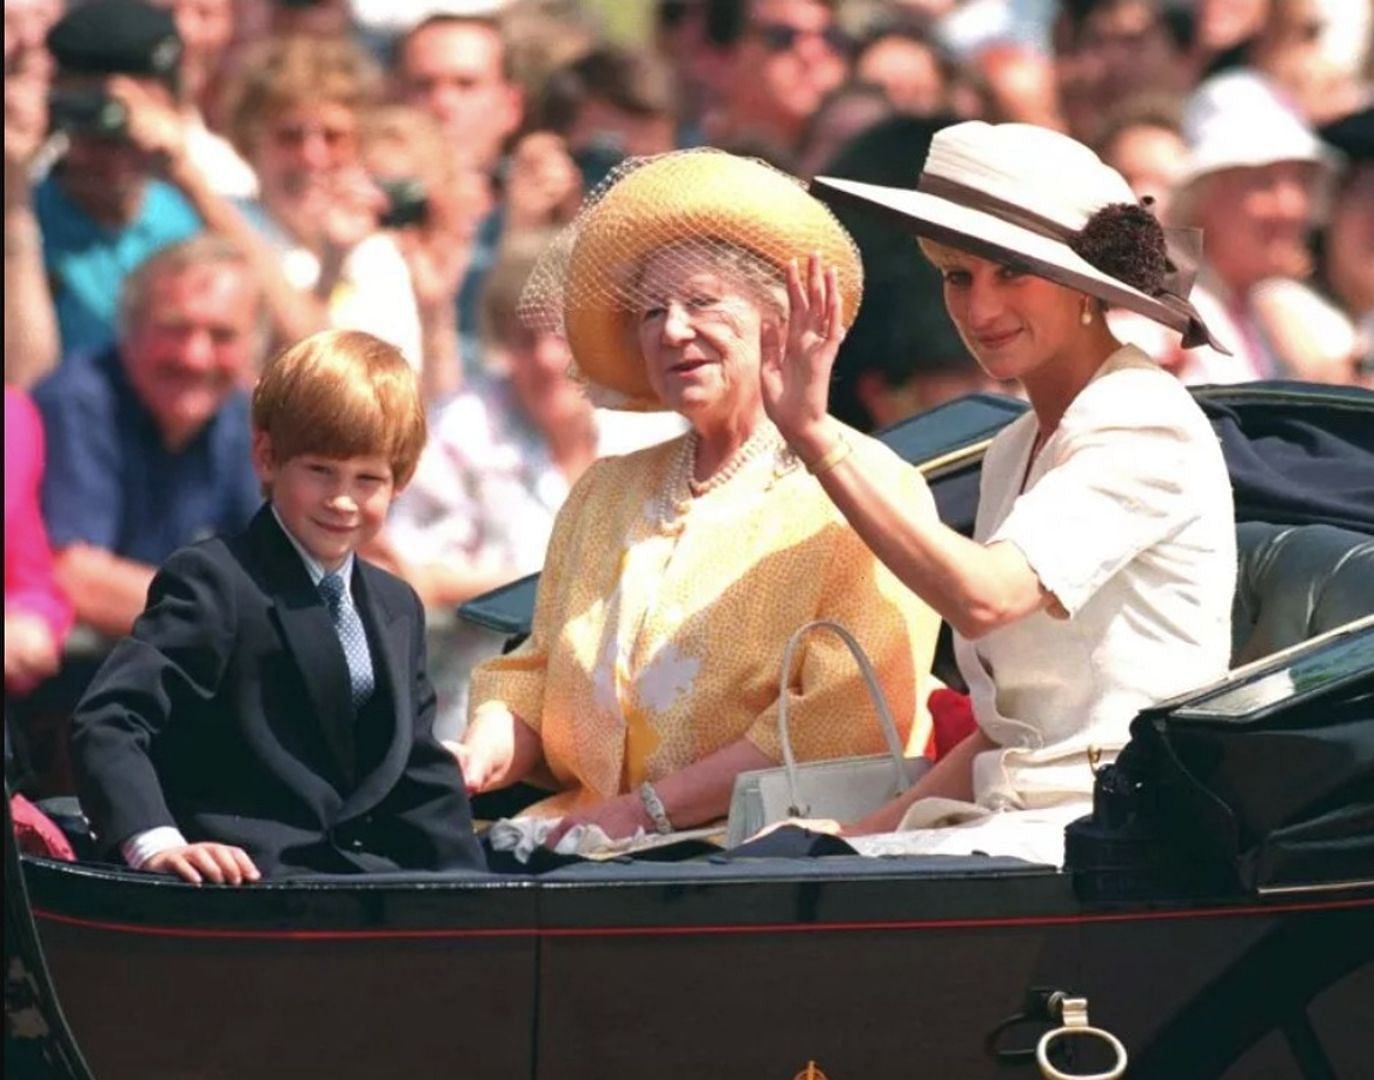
column 680, row 931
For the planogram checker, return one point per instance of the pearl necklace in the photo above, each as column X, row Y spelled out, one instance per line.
column 680, row 487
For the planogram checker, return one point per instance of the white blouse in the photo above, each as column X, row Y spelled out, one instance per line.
column 1127, row 517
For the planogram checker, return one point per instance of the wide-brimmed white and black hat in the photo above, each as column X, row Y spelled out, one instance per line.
column 1033, row 197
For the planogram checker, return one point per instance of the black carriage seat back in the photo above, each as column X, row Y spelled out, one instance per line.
column 1297, row 581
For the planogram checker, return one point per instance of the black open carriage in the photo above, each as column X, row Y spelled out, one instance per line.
column 1214, row 929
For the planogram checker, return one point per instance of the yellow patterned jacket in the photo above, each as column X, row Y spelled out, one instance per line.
column 661, row 618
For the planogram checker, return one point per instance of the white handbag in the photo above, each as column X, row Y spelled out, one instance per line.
column 842, row 788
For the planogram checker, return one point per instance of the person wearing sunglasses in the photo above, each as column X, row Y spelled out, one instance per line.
column 785, row 56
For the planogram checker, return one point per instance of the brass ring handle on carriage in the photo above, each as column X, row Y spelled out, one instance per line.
column 1074, row 1012
column 1069, row 1013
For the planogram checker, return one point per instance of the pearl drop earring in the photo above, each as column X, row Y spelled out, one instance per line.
column 1086, row 315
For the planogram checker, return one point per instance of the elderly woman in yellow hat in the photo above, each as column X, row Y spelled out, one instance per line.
column 1100, row 574
column 676, row 574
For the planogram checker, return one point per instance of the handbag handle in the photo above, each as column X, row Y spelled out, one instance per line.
column 875, row 692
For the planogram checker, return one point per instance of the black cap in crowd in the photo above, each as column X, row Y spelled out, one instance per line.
column 1353, row 134
column 117, row 37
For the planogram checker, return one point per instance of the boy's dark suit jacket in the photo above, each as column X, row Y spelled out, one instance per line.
column 227, row 713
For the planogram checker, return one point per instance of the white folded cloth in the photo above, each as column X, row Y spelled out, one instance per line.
column 520, row 836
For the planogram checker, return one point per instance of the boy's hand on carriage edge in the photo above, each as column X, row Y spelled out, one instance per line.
column 221, row 863
column 797, row 357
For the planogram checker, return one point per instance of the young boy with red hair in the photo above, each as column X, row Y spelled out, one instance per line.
column 270, row 713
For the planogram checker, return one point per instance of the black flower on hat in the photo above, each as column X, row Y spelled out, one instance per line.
column 1126, row 241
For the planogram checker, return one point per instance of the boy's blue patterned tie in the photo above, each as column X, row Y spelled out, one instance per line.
column 352, row 637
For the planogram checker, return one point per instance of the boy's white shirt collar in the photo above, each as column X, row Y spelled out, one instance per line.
column 313, row 566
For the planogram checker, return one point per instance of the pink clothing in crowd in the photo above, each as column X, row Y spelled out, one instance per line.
column 29, row 582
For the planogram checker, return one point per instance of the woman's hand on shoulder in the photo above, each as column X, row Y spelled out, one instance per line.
column 797, row 357
column 617, row 818
column 221, row 863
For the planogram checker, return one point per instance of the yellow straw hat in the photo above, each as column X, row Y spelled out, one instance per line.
column 587, row 287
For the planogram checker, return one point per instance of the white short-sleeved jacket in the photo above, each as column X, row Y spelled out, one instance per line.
column 1127, row 517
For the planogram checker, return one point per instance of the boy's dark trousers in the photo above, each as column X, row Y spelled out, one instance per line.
column 228, row 713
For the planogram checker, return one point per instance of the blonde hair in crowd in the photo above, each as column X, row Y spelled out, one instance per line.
column 342, row 394
column 284, row 73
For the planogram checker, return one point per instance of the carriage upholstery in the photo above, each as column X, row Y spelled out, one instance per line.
column 1297, row 581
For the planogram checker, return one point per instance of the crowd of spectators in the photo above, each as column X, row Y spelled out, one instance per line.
column 192, row 185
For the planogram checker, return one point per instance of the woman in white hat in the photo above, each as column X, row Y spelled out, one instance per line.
column 1253, row 181
column 1100, row 575
column 675, row 575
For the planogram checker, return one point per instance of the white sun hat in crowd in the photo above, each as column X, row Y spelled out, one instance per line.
column 394, row 17
column 1239, row 120
column 1022, row 194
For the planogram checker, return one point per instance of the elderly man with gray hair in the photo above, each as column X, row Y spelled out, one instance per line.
column 148, row 441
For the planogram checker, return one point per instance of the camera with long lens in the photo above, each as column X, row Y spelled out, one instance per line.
column 87, row 112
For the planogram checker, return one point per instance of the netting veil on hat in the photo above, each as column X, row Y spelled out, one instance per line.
column 702, row 208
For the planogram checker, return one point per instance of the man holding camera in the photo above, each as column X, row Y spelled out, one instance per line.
column 102, row 210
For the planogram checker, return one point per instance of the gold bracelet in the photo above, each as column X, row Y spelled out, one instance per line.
column 832, row 457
